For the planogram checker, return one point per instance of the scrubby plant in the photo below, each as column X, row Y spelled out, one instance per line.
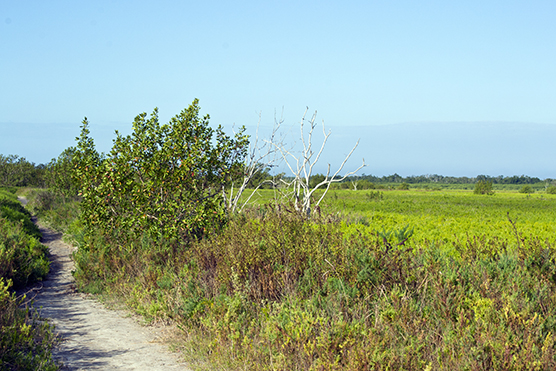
column 22, row 258
column 483, row 187
column 162, row 180
column 375, row 196
column 526, row 189
column 551, row 190
column 25, row 341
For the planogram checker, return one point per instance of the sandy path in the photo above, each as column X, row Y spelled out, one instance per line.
column 95, row 338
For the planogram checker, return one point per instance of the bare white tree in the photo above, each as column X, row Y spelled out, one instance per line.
column 260, row 156
column 303, row 164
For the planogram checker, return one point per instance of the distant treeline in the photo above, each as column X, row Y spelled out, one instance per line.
column 435, row 178
column 16, row 171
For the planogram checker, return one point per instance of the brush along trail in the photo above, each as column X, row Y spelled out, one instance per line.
column 93, row 337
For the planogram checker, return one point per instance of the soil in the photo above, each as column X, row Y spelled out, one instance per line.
column 92, row 336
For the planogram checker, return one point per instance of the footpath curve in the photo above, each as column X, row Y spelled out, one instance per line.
column 93, row 337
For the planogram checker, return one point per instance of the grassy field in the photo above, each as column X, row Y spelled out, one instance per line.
column 440, row 216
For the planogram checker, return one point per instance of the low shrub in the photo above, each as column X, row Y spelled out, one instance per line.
column 526, row 189
column 25, row 341
column 483, row 187
column 22, row 257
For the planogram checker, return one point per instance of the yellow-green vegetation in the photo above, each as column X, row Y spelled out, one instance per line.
column 448, row 216
column 274, row 290
column 439, row 217
column 25, row 342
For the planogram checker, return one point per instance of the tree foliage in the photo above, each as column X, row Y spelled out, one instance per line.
column 60, row 176
column 16, row 171
column 483, row 187
column 163, row 180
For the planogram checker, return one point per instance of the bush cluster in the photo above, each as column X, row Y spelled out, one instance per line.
column 483, row 187
column 164, row 180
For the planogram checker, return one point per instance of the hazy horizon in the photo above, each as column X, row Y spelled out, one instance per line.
column 408, row 149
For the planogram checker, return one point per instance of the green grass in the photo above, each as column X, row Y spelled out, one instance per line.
column 25, row 339
column 444, row 216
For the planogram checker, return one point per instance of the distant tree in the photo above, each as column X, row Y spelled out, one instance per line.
column 365, row 184
column 61, row 173
column 315, row 179
column 526, row 189
column 16, row 171
column 483, row 187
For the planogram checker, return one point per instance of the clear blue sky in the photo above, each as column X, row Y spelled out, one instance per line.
column 359, row 63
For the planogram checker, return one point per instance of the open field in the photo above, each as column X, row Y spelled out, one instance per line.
column 440, row 216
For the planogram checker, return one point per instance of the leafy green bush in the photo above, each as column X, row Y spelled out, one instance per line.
column 526, row 189
column 375, row 196
column 551, row 190
column 483, row 187
column 162, row 180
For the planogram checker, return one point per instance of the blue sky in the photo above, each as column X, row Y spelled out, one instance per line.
column 358, row 63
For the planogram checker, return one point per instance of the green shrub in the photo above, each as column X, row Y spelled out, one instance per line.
column 483, row 187
column 22, row 258
column 551, row 190
column 25, row 341
column 164, row 180
column 375, row 196
column 526, row 189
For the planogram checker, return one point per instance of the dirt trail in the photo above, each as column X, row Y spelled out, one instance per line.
column 95, row 338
